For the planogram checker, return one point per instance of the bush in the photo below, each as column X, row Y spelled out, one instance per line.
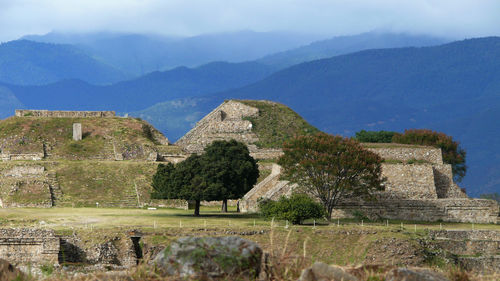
column 295, row 209
column 374, row 136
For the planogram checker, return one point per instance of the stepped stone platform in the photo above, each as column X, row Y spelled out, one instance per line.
column 23, row 245
column 472, row 250
column 422, row 191
column 270, row 188
column 226, row 122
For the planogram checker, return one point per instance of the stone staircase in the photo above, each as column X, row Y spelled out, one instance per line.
column 270, row 188
column 473, row 250
column 56, row 194
column 128, row 199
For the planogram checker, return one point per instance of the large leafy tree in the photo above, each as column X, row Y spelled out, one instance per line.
column 452, row 152
column 331, row 167
column 224, row 171
column 230, row 167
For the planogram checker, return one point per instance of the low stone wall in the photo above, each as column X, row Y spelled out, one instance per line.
column 24, row 156
column 266, row 153
column 409, row 181
column 63, row 114
column 405, row 153
column 35, row 246
column 450, row 210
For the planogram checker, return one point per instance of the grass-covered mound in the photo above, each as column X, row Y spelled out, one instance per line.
column 276, row 123
column 103, row 138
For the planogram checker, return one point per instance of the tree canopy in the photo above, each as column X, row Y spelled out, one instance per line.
column 224, row 171
column 452, row 152
column 374, row 136
column 331, row 167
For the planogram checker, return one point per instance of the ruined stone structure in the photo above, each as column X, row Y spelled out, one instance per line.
column 226, row 122
column 422, row 190
column 63, row 114
column 473, row 250
column 23, row 246
column 271, row 188
column 27, row 186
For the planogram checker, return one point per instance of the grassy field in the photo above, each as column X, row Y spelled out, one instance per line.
column 61, row 218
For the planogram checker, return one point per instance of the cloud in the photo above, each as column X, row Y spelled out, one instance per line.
column 458, row 18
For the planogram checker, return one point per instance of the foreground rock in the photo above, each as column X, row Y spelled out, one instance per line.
column 9, row 272
column 323, row 272
column 405, row 274
column 210, row 257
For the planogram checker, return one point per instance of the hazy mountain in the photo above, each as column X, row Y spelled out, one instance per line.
column 142, row 92
column 31, row 63
column 139, row 54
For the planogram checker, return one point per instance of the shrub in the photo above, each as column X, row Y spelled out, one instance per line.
column 374, row 136
column 295, row 209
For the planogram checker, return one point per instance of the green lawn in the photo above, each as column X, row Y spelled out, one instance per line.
column 61, row 218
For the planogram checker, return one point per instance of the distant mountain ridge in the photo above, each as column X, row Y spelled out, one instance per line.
column 349, row 44
column 142, row 92
column 31, row 63
column 139, row 54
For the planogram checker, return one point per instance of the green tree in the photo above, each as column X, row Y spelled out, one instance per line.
column 492, row 196
column 230, row 166
column 225, row 171
column 331, row 167
column 374, row 136
column 452, row 152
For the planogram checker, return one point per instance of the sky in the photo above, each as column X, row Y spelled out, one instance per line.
column 450, row 18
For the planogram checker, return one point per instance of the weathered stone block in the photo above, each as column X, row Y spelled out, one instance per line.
column 77, row 131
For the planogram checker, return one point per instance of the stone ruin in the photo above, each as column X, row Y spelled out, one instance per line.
column 226, row 122
column 419, row 186
column 62, row 113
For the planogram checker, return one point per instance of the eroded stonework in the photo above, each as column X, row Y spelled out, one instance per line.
column 226, row 122
column 422, row 191
column 62, row 113
column 23, row 245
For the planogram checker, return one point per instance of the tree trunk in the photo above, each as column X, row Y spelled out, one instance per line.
column 197, row 208
column 224, row 206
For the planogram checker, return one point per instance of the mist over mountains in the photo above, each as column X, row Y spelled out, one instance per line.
column 139, row 54
column 371, row 81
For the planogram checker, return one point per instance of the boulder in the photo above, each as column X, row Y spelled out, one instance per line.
column 9, row 272
column 414, row 274
column 323, row 272
column 210, row 257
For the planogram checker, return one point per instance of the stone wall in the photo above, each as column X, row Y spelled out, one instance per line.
column 405, row 153
column 409, row 181
column 443, row 180
column 35, row 246
column 61, row 113
column 25, row 186
column 450, row 210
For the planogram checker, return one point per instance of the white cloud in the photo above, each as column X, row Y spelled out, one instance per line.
column 458, row 18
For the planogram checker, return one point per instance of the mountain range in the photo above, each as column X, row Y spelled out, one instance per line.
column 139, row 54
